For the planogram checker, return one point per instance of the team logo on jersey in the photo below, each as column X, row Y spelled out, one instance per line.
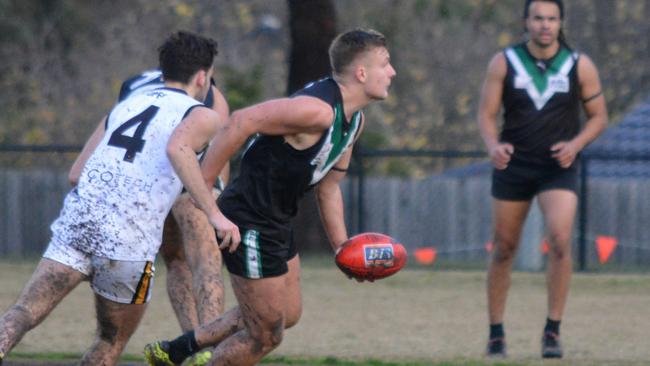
column 379, row 255
column 156, row 94
column 559, row 83
column 541, row 85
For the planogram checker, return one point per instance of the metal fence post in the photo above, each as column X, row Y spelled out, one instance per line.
column 582, row 223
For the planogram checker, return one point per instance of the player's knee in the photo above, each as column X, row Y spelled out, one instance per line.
column 292, row 317
column 560, row 239
column 107, row 331
column 505, row 250
column 23, row 315
column 268, row 336
column 277, row 333
column 560, row 247
column 274, row 335
column 108, row 336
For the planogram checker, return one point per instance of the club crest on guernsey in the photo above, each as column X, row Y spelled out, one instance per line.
column 376, row 255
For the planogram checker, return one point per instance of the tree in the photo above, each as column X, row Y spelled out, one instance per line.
column 313, row 27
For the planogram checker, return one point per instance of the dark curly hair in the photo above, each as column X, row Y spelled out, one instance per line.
column 183, row 54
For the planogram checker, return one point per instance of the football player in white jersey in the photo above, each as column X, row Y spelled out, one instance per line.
column 110, row 227
column 189, row 247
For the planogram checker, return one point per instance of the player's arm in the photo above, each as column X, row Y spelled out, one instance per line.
column 190, row 137
column 285, row 116
column 221, row 107
column 593, row 102
column 330, row 200
column 89, row 147
column 488, row 110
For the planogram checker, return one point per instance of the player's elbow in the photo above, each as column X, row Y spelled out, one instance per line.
column 241, row 125
column 74, row 174
column 598, row 122
column 73, row 179
column 326, row 189
column 174, row 150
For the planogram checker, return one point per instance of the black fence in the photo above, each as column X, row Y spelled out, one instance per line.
column 583, row 236
column 436, row 203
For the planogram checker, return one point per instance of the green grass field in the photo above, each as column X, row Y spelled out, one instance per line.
column 418, row 317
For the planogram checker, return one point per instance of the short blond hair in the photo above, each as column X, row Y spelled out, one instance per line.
column 347, row 46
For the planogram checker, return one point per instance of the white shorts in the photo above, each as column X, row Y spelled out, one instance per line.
column 125, row 282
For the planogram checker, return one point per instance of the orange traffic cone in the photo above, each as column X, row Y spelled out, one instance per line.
column 605, row 246
column 425, row 255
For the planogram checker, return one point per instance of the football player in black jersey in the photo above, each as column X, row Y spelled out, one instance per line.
column 542, row 84
column 302, row 142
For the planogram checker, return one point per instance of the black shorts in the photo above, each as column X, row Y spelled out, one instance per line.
column 522, row 182
column 259, row 255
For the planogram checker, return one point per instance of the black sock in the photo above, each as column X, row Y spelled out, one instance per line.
column 552, row 326
column 496, row 331
column 183, row 347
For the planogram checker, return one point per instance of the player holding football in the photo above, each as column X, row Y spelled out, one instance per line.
column 302, row 142
column 189, row 248
column 110, row 227
column 542, row 84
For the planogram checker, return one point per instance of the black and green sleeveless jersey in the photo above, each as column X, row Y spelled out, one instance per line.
column 274, row 176
column 541, row 103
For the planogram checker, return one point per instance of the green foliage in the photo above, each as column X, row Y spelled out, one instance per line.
column 448, row 9
column 61, row 58
column 373, row 139
column 399, row 168
column 55, row 23
column 420, row 6
column 242, row 88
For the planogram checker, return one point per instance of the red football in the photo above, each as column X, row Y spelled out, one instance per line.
column 371, row 256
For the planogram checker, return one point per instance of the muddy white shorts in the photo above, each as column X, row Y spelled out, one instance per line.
column 126, row 282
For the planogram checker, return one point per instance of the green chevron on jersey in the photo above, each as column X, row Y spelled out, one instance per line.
column 337, row 141
column 541, row 85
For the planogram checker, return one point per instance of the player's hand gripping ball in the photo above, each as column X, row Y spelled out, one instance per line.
column 371, row 256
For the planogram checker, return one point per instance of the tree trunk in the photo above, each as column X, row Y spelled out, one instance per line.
column 313, row 26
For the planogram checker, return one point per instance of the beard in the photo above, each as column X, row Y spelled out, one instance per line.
column 544, row 44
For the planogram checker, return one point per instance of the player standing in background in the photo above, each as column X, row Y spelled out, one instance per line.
column 541, row 84
column 303, row 142
column 110, row 227
column 189, row 247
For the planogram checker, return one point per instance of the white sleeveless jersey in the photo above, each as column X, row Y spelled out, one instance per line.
column 128, row 185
